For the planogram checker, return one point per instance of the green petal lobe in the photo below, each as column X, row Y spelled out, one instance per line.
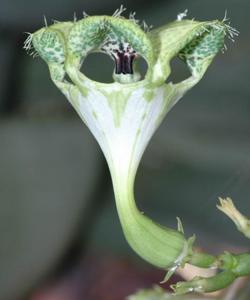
column 195, row 42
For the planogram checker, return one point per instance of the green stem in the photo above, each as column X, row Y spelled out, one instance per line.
column 239, row 264
column 232, row 266
column 160, row 246
column 202, row 260
column 205, row 285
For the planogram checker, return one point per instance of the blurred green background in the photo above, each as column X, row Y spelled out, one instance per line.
column 56, row 199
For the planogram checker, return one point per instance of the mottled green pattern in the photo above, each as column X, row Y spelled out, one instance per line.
column 87, row 35
column 128, row 31
column 192, row 41
column 181, row 37
column 90, row 33
column 57, row 71
column 50, row 45
column 205, row 45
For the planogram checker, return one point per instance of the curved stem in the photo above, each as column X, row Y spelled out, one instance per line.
column 160, row 246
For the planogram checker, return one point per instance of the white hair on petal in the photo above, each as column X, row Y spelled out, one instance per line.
column 118, row 12
column 84, row 14
column 28, row 42
column 133, row 18
column 28, row 45
column 146, row 27
column 182, row 15
column 45, row 21
column 74, row 17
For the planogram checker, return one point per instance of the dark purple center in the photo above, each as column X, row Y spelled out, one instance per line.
column 124, row 62
column 123, row 55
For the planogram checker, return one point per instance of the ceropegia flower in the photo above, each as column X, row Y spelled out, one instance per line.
column 124, row 115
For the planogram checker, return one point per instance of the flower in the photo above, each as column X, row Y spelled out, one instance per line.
column 124, row 115
column 242, row 222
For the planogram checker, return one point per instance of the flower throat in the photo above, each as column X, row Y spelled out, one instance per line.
column 123, row 55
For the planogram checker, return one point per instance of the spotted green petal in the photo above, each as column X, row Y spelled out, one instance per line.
column 195, row 42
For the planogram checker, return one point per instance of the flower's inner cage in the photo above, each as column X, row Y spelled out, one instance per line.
column 207, row 43
column 100, row 66
column 123, row 55
column 179, row 71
